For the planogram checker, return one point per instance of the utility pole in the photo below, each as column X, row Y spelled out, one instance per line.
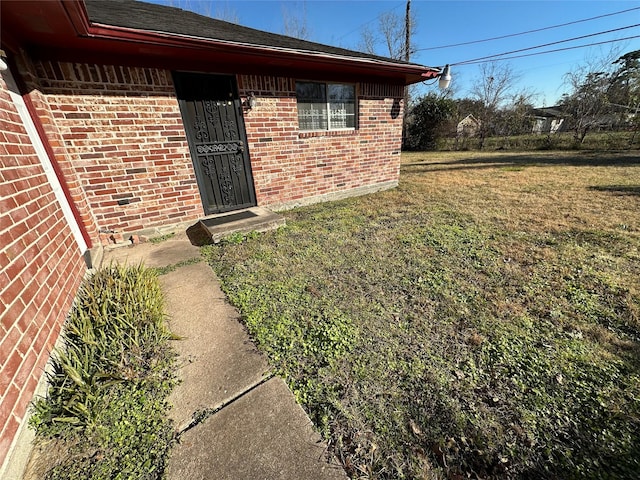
column 407, row 31
column 407, row 56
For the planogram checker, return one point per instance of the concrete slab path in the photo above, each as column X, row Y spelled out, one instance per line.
column 237, row 421
column 263, row 435
column 217, row 360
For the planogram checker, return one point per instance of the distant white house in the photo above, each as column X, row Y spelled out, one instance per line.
column 468, row 126
column 547, row 120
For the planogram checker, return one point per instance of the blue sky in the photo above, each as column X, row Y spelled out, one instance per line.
column 448, row 22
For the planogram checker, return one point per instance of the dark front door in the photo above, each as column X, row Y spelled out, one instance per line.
column 212, row 115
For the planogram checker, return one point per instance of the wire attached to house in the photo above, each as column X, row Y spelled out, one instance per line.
column 472, row 62
column 472, row 42
column 581, row 37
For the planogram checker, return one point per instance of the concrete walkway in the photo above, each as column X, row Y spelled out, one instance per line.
column 235, row 419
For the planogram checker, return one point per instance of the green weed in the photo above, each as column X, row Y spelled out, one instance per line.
column 173, row 267
column 466, row 324
column 239, row 237
column 162, row 238
column 109, row 383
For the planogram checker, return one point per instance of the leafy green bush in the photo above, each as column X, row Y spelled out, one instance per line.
column 109, row 382
column 428, row 122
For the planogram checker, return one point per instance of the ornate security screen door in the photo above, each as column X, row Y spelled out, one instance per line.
column 212, row 115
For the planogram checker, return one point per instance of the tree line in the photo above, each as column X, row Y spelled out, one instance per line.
column 602, row 95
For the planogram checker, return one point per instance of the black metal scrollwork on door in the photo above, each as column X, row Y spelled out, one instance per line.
column 209, row 167
column 200, row 127
column 230, row 130
column 219, row 148
column 211, row 109
column 226, row 185
column 210, row 106
column 236, row 164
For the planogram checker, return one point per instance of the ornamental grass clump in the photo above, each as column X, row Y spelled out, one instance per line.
column 109, row 381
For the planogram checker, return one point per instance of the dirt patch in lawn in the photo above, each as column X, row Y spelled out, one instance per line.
column 481, row 320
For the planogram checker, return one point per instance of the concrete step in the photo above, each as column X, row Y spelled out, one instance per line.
column 213, row 228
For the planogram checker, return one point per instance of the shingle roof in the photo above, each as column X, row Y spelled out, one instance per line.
column 555, row 111
column 160, row 18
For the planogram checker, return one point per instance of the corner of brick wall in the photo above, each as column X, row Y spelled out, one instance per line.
column 41, row 268
column 123, row 133
column 27, row 71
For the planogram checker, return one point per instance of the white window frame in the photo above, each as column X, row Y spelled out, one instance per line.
column 328, row 107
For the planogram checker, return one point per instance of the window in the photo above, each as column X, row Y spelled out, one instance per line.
column 326, row 106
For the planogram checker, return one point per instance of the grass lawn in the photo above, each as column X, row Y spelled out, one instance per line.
column 481, row 320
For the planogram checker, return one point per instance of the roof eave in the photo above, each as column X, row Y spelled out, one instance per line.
column 79, row 17
column 62, row 30
column 417, row 72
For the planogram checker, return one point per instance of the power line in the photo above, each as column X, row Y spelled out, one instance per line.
column 529, row 31
column 489, row 57
column 473, row 62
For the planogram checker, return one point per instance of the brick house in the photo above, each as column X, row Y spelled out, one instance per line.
column 122, row 115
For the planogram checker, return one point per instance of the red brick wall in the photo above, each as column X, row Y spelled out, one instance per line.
column 120, row 131
column 117, row 132
column 57, row 143
column 125, row 140
column 40, row 270
column 289, row 166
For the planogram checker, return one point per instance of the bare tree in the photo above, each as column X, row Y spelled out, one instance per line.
column 223, row 10
column 202, row 8
column 495, row 83
column 368, row 41
column 388, row 38
column 393, row 36
column 515, row 117
column 392, row 30
column 295, row 23
column 226, row 12
column 493, row 88
column 587, row 101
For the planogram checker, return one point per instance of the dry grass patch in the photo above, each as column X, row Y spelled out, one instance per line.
column 481, row 320
column 555, row 191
